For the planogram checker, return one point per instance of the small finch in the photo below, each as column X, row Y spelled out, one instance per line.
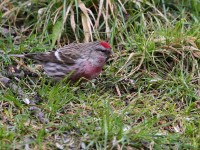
column 83, row 60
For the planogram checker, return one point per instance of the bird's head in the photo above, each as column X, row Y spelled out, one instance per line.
column 103, row 48
column 97, row 52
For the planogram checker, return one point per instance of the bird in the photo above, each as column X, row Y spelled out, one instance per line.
column 74, row 61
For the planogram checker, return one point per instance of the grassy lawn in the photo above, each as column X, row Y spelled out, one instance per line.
column 147, row 96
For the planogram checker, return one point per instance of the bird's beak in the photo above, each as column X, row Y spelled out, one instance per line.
column 111, row 53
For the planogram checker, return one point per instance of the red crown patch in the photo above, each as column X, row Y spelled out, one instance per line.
column 105, row 44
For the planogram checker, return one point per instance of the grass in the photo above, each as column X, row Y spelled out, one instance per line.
column 147, row 97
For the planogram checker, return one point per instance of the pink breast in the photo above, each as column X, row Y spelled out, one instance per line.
column 92, row 72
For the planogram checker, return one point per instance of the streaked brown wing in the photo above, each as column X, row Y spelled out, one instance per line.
column 68, row 54
column 50, row 57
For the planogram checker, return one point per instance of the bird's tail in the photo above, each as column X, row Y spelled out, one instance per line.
column 17, row 55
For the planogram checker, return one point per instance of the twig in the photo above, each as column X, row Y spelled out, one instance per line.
column 22, row 64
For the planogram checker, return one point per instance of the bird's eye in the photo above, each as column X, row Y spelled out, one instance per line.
column 102, row 50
